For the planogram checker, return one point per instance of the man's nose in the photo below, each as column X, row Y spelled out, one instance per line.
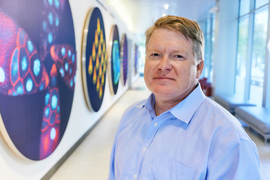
column 165, row 63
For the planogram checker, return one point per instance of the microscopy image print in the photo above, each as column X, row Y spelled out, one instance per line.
column 94, row 59
column 136, row 59
column 115, row 61
column 37, row 74
column 124, row 56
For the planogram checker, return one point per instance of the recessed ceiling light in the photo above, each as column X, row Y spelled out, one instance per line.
column 166, row 6
column 163, row 14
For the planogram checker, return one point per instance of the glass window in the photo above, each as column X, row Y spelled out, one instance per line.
column 211, row 63
column 258, row 56
column 208, row 50
column 244, row 7
column 241, row 61
column 211, row 48
column 260, row 3
column 208, row 27
column 206, row 55
column 213, row 22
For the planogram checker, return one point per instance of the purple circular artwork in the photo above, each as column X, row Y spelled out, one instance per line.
column 124, row 55
column 136, row 59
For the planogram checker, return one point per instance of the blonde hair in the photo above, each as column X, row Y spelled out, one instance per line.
column 190, row 29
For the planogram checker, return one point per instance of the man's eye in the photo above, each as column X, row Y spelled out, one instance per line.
column 155, row 54
column 178, row 56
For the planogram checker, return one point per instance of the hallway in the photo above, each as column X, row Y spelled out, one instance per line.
column 91, row 159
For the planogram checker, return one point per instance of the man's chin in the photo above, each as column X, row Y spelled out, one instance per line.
column 163, row 91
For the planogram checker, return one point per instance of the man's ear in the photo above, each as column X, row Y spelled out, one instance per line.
column 200, row 66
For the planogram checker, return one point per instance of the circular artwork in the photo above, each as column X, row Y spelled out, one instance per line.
column 94, row 59
column 136, row 59
column 124, row 55
column 37, row 74
column 115, row 61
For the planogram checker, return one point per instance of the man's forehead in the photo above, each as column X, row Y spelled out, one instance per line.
column 172, row 30
column 167, row 35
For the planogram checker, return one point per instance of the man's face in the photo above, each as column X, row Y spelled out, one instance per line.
column 171, row 71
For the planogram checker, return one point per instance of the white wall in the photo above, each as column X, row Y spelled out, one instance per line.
column 81, row 119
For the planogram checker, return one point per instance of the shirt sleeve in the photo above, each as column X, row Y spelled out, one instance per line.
column 236, row 162
column 111, row 165
column 112, row 172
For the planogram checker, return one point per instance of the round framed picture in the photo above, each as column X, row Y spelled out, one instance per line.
column 94, row 59
column 135, row 59
column 124, row 57
column 114, row 60
column 37, row 74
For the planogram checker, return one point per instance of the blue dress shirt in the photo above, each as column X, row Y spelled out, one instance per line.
column 196, row 139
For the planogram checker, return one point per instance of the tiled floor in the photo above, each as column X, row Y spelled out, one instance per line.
column 90, row 161
column 264, row 153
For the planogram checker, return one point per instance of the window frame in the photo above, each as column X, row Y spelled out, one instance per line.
column 251, row 18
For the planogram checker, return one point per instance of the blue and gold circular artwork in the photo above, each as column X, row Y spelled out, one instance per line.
column 115, row 61
column 37, row 74
column 94, row 59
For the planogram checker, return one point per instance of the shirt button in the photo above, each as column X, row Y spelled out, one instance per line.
column 155, row 125
column 135, row 176
column 144, row 148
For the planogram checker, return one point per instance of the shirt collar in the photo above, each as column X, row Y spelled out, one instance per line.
column 183, row 110
column 148, row 103
column 186, row 108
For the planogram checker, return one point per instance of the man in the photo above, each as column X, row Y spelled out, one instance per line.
column 178, row 133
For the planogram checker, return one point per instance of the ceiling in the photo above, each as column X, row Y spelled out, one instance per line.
column 138, row 15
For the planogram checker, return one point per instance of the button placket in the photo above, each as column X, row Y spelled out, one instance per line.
column 150, row 135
